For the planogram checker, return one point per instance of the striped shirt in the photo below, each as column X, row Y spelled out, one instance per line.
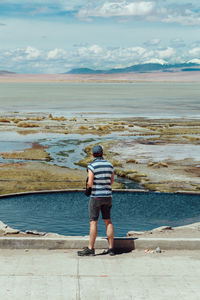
column 102, row 171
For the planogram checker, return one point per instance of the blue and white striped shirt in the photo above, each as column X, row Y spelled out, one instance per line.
column 102, row 171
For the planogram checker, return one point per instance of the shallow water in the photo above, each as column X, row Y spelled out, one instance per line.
column 67, row 213
column 64, row 150
column 103, row 99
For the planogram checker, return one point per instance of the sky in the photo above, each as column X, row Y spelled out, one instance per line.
column 46, row 36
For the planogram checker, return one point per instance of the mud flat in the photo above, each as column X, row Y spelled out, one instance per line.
column 167, row 161
column 161, row 154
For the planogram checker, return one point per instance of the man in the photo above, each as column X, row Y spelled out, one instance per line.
column 100, row 179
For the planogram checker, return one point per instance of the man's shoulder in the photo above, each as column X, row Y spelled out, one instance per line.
column 100, row 162
column 109, row 163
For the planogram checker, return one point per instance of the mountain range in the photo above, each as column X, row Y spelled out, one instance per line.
column 3, row 72
column 141, row 68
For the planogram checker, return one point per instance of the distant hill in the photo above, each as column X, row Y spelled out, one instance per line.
column 140, row 68
column 3, row 72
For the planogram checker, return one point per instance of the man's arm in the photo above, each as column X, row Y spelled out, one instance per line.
column 112, row 178
column 90, row 178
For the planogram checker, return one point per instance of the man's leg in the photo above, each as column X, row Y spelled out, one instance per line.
column 93, row 234
column 109, row 232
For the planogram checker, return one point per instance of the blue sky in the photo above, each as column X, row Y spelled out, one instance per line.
column 55, row 36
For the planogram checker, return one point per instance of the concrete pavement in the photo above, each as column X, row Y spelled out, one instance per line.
column 61, row 274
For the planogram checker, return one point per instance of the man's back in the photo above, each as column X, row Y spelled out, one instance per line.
column 102, row 171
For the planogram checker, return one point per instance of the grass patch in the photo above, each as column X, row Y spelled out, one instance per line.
column 27, row 125
column 28, row 154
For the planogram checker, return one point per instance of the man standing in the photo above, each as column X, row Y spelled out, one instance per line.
column 100, row 179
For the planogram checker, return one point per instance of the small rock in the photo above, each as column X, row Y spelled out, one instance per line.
column 3, row 226
column 158, row 250
column 9, row 230
column 54, row 235
column 132, row 233
column 162, row 228
column 35, row 232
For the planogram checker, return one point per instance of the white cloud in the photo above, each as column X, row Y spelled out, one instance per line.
column 117, row 9
column 186, row 13
column 56, row 54
column 195, row 61
column 156, row 61
column 195, row 51
column 32, row 53
column 190, row 20
column 93, row 50
column 58, row 60
column 166, row 53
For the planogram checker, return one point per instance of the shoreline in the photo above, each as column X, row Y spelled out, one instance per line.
column 166, row 232
column 191, row 76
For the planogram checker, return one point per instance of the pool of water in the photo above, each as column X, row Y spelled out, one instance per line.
column 67, row 213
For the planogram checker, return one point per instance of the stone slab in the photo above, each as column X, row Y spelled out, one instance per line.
column 125, row 244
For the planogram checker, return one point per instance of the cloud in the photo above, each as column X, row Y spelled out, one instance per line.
column 156, row 61
column 195, row 61
column 32, row 53
column 153, row 42
column 195, row 51
column 185, row 13
column 177, row 43
column 2, row 24
column 189, row 19
column 58, row 60
column 117, row 9
column 56, row 54
column 92, row 50
column 166, row 53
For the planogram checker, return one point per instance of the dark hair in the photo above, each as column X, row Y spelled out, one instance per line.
column 98, row 154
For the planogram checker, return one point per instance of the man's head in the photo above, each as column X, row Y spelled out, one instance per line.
column 97, row 151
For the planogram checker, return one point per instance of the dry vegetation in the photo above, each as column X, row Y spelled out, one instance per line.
column 28, row 154
column 22, row 177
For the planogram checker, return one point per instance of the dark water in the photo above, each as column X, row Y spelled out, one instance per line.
column 67, row 213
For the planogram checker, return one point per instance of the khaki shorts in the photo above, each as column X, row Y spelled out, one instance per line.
column 97, row 204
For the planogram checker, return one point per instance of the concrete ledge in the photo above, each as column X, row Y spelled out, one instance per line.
column 49, row 243
column 124, row 244
column 68, row 191
column 82, row 191
column 168, row 243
